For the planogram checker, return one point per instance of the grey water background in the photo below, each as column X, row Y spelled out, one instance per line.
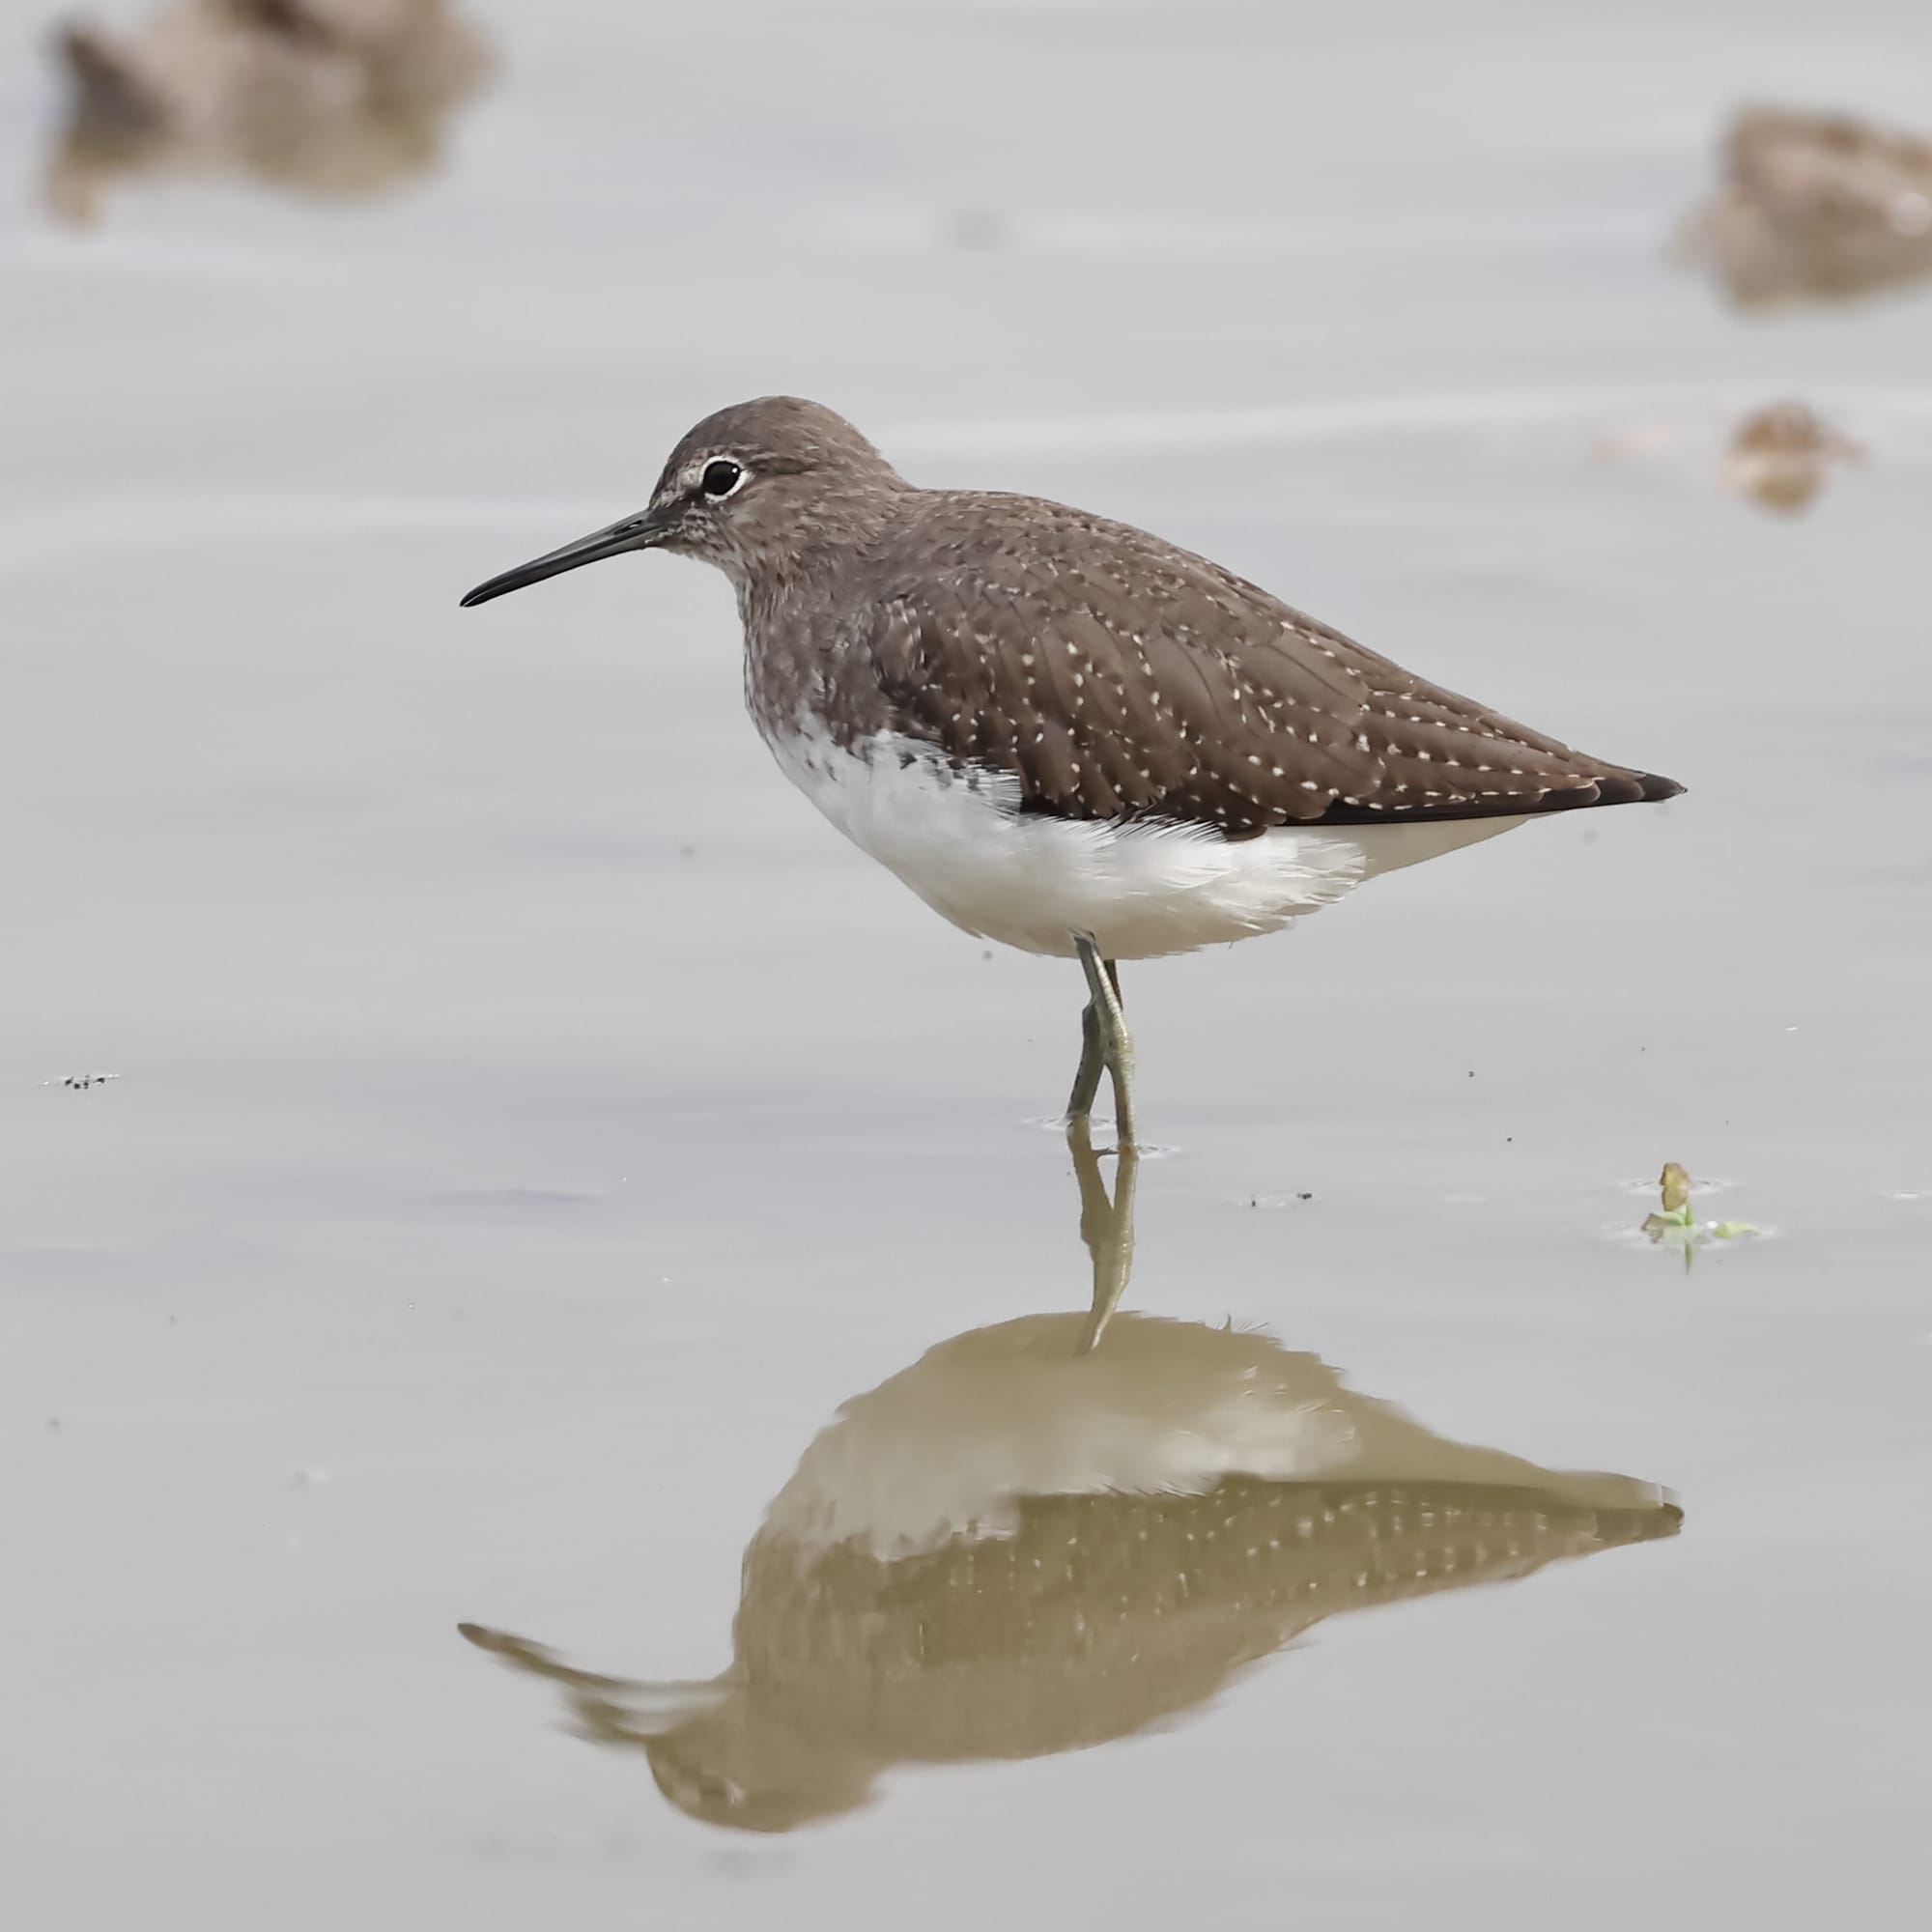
column 532, row 1122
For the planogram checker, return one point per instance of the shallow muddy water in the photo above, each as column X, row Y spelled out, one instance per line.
column 533, row 1124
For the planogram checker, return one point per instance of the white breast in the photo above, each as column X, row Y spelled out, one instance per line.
column 1031, row 881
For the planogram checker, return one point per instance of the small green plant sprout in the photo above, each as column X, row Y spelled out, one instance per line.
column 1677, row 1224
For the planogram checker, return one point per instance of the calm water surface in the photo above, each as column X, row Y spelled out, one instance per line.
column 533, row 1124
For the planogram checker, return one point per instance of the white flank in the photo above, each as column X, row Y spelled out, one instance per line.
column 1031, row 881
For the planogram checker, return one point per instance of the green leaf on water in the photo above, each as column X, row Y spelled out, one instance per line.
column 1676, row 1221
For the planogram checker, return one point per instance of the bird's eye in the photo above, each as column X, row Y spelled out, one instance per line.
column 721, row 478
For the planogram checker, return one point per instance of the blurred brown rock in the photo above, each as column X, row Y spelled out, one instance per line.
column 1814, row 205
column 1781, row 457
column 331, row 97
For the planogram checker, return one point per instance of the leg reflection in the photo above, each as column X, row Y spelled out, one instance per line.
column 1106, row 1225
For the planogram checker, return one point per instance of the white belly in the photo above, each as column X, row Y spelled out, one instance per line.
column 1033, row 881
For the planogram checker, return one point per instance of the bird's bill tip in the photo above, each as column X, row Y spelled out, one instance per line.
column 638, row 533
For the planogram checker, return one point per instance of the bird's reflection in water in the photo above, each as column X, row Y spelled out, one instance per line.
column 1018, row 1545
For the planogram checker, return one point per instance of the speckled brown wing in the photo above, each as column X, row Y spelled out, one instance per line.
column 1105, row 1613
column 1114, row 676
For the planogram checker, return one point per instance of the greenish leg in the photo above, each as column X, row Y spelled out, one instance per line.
column 1086, row 1082
column 1107, row 1043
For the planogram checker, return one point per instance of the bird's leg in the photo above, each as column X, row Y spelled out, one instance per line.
column 1107, row 1043
column 1086, row 1082
column 1106, row 1226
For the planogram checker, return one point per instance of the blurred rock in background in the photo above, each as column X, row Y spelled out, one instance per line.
column 1782, row 456
column 328, row 96
column 1814, row 206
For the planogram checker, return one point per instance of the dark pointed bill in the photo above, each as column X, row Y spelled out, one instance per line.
column 639, row 532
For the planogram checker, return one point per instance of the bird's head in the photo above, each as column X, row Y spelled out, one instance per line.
column 756, row 487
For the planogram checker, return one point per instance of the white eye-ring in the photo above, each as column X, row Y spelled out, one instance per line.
column 721, row 478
